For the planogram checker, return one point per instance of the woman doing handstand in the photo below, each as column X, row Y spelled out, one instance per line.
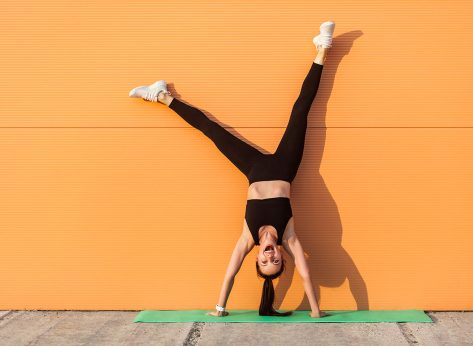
column 268, row 221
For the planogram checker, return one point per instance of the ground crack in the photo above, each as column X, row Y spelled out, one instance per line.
column 408, row 334
column 194, row 334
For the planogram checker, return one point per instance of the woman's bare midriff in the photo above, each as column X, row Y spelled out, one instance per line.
column 269, row 189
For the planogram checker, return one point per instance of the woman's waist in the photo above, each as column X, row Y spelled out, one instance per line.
column 266, row 189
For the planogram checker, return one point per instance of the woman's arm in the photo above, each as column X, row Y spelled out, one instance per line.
column 239, row 253
column 294, row 248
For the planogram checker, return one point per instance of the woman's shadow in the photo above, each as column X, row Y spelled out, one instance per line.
column 321, row 232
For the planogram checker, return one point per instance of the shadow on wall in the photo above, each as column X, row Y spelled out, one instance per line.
column 330, row 265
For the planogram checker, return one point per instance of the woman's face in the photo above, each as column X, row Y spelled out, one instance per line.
column 269, row 257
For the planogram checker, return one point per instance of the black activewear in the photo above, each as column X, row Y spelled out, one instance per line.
column 275, row 211
column 257, row 166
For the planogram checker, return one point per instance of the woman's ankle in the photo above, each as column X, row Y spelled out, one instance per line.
column 321, row 56
column 165, row 98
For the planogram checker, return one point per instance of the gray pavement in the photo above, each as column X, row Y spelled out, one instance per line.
column 45, row 327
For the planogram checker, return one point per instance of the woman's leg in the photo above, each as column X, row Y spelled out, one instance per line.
column 291, row 146
column 240, row 153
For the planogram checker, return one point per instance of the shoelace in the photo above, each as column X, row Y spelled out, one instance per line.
column 152, row 94
column 325, row 39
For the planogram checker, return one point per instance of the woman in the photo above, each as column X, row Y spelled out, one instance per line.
column 268, row 220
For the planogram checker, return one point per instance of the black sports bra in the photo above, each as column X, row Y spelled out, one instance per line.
column 275, row 211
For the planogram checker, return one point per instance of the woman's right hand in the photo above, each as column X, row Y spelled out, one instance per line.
column 218, row 313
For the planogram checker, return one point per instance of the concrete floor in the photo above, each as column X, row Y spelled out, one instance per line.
column 18, row 327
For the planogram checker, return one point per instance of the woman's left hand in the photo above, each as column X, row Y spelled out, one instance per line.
column 218, row 313
column 318, row 314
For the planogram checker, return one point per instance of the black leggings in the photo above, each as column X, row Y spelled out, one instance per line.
column 283, row 164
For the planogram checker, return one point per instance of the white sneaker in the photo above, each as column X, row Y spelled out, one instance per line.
column 150, row 92
column 324, row 39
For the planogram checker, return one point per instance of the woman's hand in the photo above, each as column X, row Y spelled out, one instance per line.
column 318, row 314
column 218, row 313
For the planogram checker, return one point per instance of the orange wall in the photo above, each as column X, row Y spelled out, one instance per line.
column 109, row 202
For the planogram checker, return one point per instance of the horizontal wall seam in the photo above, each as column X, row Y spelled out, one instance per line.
column 239, row 127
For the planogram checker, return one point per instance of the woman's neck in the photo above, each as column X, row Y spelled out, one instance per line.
column 267, row 233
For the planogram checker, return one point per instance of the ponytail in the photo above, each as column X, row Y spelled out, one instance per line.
column 267, row 297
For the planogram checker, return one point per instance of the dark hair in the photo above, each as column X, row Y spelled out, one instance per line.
column 267, row 297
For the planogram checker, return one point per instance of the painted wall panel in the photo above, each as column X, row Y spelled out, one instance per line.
column 109, row 202
column 147, row 218
column 394, row 63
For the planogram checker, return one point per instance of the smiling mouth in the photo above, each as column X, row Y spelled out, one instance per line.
column 268, row 248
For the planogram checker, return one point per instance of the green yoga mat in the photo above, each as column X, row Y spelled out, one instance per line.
column 301, row 316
